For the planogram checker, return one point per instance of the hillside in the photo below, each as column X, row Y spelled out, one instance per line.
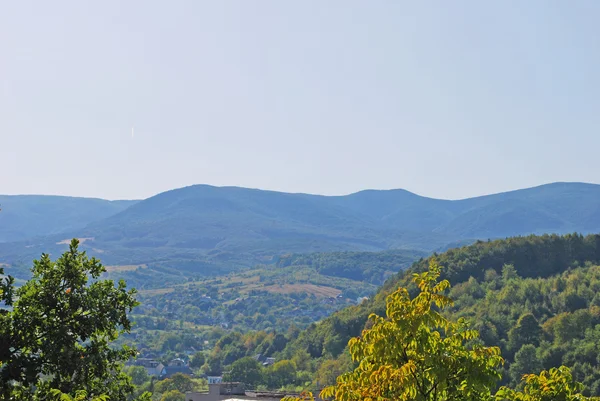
column 26, row 216
column 211, row 230
column 537, row 292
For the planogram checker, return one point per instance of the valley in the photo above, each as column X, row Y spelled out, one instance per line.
column 228, row 275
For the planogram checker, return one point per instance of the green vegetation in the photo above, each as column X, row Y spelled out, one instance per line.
column 534, row 297
column 369, row 267
column 258, row 299
column 417, row 353
column 55, row 339
column 209, row 231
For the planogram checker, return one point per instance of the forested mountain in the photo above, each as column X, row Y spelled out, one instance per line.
column 215, row 229
column 26, row 216
column 535, row 297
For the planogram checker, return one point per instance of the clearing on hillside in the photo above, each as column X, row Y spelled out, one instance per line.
column 68, row 241
column 124, row 268
column 317, row 290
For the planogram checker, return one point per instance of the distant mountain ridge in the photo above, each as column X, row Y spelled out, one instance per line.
column 26, row 216
column 208, row 229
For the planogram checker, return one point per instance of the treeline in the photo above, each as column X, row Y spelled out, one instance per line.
column 483, row 266
column 371, row 267
column 539, row 323
column 531, row 256
column 245, row 358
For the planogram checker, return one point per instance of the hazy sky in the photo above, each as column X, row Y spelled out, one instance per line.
column 446, row 99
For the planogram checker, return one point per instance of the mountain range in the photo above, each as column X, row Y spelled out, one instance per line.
column 206, row 229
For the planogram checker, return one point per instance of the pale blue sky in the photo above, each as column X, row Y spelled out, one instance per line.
column 446, row 99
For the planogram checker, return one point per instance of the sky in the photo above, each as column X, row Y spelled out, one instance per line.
column 123, row 100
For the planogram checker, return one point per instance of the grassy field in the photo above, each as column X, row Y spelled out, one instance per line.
column 317, row 290
column 124, row 268
column 274, row 280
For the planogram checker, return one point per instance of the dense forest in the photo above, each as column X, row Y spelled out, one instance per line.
column 203, row 230
column 534, row 297
column 533, row 300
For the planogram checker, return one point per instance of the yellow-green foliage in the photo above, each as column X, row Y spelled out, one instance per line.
column 555, row 384
column 417, row 353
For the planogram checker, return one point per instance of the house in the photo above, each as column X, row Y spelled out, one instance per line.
column 214, row 379
column 153, row 367
column 169, row 371
column 175, row 366
column 177, row 362
column 269, row 361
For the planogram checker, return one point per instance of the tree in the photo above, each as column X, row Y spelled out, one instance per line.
column 139, row 375
column 416, row 353
column 509, row 273
column 555, row 384
column 197, row 360
column 329, row 371
column 178, row 381
column 212, row 367
column 173, row 395
column 527, row 331
column 280, row 374
column 526, row 361
column 60, row 330
column 246, row 370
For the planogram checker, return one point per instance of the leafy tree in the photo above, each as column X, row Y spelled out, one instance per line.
column 509, row 273
column 246, row 370
column 197, row 360
column 178, row 381
column 526, row 361
column 555, row 384
column 212, row 365
column 173, row 395
column 60, row 329
column 139, row 375
column 6, row 298
column 329, row 371
column 417, row 353
column 527, row 331
column 281, row 373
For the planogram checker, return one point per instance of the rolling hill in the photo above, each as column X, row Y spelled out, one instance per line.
column 206, row 229
column 551, row 280
column 26, row 216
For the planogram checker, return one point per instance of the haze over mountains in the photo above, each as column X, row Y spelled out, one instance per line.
column 26, row 216
column 203, row 228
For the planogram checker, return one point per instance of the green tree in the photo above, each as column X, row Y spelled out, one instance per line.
column 139, row 375
column 418, row 354
column 212, row 367
column 173, row 395
column 526, row 362
column 246, row 370
column 60, row 331
column 509, row 273
column 280, row 374
column 329, row 370
column 178, row 381
column 557, row 384
column 527, row 331
column 6, row 298
column 197, row 360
